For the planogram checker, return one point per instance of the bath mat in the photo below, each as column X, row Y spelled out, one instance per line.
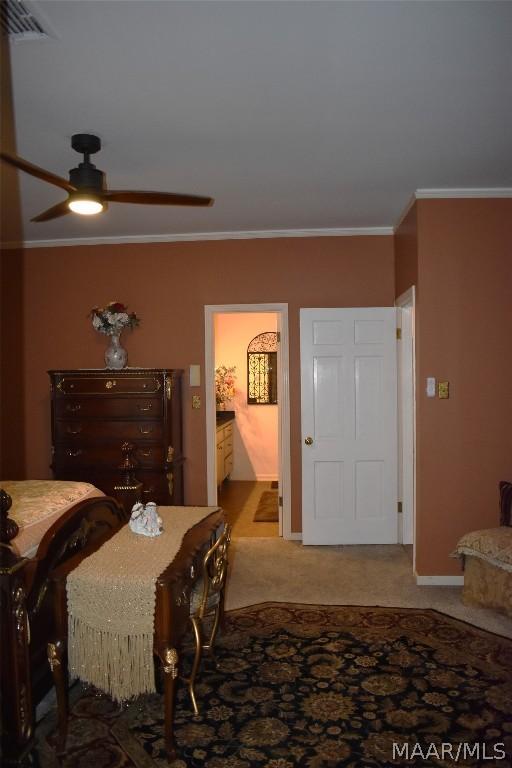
column 267, row 511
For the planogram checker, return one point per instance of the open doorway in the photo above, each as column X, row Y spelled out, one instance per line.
column 248, row 434
column 247, row 437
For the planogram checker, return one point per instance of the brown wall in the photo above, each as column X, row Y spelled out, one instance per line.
column 168, row 286
column 406, row 252
column 456, row 251
column 463, row 332
column 12, row 459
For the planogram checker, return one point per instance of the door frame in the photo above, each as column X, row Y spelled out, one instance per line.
column 283, row 405
column 406, row 361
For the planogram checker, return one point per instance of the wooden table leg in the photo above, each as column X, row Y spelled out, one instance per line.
column 57, row 657
column 169, row 658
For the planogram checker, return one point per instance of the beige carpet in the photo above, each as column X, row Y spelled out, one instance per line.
column 271, row 569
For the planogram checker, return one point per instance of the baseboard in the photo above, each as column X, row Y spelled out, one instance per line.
column 293, row 536
column 439, row 581
column 266, row 478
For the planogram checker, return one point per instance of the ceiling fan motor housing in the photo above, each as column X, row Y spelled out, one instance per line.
column 87, row 178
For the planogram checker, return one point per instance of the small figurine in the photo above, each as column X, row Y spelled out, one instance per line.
column 145, row 520
column 153, row 522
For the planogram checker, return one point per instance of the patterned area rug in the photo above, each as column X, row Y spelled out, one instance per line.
column 317, row 686
column 267, row 510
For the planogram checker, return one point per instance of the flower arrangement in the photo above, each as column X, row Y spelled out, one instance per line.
column 224, row 383
column 113, row 318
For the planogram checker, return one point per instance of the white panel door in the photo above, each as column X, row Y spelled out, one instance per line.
column 349, row 426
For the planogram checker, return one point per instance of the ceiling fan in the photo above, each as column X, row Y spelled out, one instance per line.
column 86, row 188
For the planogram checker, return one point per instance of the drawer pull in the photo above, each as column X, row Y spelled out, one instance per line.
column 74, row 430
column 109, row 384
column 145, row 407
column 74, row 452
column 147, row 453
column 149, row 490
column 145, row 430
column 73, row 407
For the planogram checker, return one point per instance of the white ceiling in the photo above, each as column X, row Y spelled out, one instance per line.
column 293, row 115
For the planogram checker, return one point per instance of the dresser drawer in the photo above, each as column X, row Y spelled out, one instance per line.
column 108, row 384
column 109, row 408
column 85, row 431
column 105, row 455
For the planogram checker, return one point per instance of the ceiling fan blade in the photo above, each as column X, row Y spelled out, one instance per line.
column 155, row 198
column 61, row 209
column 35, row 170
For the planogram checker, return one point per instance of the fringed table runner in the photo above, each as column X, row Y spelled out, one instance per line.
column 111, row 605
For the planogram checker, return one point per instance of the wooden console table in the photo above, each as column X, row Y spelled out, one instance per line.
column 172, row 609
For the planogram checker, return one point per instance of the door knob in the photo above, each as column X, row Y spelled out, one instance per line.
column 309, row 441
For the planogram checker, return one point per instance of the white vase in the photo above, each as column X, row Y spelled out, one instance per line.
column 116, row 356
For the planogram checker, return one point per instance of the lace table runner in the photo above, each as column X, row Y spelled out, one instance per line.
column 111, row 605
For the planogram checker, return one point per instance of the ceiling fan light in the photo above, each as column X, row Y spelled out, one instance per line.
column 86, row 205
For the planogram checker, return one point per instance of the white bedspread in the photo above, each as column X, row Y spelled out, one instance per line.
column 36, row 504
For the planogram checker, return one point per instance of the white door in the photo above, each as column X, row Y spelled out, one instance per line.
column 349, row 426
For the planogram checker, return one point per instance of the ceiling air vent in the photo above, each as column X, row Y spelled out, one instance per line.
column 19, row 21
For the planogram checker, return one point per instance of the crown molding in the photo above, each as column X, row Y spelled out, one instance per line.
column 427, row 194
column 420, row 194
column 452, row 194
column 203, row 236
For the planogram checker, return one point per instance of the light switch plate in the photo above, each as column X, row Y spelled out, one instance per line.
column 195, row 375
column 443, row 390
column 196, row 401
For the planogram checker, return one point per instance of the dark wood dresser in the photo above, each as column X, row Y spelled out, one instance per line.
column 95, row 411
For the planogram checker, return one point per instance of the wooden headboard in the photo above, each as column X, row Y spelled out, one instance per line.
column 505, row 503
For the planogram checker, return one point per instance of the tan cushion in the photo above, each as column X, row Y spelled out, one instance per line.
column 493, row 545
column 486, row 585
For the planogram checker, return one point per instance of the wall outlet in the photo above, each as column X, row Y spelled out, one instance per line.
column 443, row 390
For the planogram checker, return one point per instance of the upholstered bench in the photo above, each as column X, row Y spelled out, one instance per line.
column 487, row 559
